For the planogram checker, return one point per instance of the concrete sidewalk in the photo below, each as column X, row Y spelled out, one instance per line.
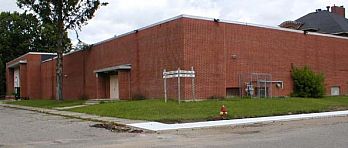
column 156, row 126
column 83, row 116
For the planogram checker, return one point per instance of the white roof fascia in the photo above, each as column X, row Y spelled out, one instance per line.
column 14, row 65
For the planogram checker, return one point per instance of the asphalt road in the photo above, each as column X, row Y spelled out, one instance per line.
column 19, row 128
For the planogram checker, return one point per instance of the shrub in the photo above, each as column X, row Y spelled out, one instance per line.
column 307, row 83
column 215, row 97
column 83, row 97
column 139, row 97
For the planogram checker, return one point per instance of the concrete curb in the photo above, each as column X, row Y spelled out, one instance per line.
column 158, row 127
column 83, row 116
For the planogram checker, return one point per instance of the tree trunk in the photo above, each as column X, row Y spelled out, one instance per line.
column 59, row 76
column 60, row 51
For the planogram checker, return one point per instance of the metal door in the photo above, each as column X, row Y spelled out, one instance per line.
column 114, row 90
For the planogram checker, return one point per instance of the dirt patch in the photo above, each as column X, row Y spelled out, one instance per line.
column 338, row 108
column 247, row 132
column 117, row 128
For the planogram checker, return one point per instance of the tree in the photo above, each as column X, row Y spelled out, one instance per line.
column 62, row 15
column 307, row 83
column 2, row 80
column 19, row 34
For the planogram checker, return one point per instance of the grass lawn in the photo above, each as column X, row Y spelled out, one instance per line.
column 47, row 103
column 157, row 110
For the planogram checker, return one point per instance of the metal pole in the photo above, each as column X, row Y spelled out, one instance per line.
column 258, row 86
column 179, row 85
column 271, row 86
column 193, row 85
column 250, row 83
column 240, row 86
column 266, row 88
column 165, row 86
column 96, row 75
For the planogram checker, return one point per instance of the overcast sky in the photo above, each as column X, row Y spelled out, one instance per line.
column 122, row 16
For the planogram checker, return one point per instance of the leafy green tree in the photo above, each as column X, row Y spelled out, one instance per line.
column 61, row 15
column 2, row 79
column 19, row 34
column 307, row 83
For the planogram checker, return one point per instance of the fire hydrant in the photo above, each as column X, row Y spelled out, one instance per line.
column 223, row 112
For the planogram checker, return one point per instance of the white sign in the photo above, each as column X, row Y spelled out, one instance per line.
column 186, row 72
column 179, row 73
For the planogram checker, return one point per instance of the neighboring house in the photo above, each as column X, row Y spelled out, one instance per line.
column 229, row 59
column 322, row 21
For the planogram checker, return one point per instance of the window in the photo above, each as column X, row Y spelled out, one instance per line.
column 232, row 92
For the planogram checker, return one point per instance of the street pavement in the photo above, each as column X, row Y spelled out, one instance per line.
column 22, row 128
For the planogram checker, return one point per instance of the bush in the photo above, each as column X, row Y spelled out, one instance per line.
column 215, row 97
column 139, row 97
column 83, row 97
column 307, row 83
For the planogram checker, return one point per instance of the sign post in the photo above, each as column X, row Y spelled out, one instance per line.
column 193, row 86
column 179, row 85
column 179, row 74
column 165, row 87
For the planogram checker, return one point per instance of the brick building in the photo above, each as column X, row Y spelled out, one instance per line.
column 221, row 53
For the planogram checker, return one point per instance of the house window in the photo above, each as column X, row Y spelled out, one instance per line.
column 232, row 92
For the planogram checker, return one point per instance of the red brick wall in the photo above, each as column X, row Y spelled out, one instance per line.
column 9, row 82
column 48, row 80
column 33, row 76
column 25, row 87
column 149, row 51
column 209, row 47
column 124, row 84
column 73, row 72
column 206, row 45
column 204, row 50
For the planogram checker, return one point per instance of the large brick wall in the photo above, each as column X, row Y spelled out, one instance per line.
column 48, row 80
column 209, row 47
column 218, row 51
column 149, row 51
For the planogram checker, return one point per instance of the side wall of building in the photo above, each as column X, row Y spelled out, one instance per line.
column 220, row 52
column 149, row 51
column 48, row 79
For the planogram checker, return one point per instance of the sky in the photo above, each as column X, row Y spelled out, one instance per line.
column 122, row 16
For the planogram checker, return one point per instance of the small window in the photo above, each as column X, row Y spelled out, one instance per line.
column 232, row 92
column 335, row 91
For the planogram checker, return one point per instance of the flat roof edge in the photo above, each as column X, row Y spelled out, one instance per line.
column 35, row 53
column 220, row 20
column 13, row 65
column 263, row 26
column 142, row 28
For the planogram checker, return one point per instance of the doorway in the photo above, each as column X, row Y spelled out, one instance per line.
column 114, row 89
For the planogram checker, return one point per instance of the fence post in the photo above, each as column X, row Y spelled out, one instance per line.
column 179, row 85
column 165, row 86
column 193, row 85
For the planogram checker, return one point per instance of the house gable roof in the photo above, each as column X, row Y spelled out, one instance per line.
column 324, row 22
